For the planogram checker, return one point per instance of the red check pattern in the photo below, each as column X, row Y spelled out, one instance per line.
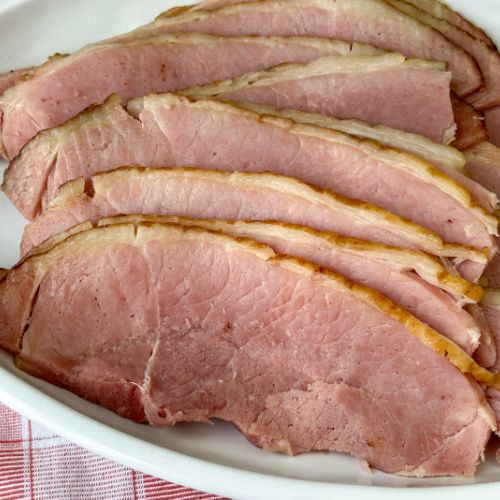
column 37, row 464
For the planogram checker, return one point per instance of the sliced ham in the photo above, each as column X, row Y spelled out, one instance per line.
column 368, row 21
column 336, row 88
column 433, row 7
column 294, row 86
column 64, row 86
column 303, row 242
column 184, row 341
column 447, row 159
column 387, row 89
column 409, row 278
column 444, row 157
column 490, row 305
column 487, row 58
column 483, row 165
column 308, row 205
column 492, row 118
column 471, row 128
column 168, row 130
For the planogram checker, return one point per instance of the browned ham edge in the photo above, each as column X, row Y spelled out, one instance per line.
column 10, row 78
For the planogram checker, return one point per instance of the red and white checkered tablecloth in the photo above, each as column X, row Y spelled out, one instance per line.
column 37, row 464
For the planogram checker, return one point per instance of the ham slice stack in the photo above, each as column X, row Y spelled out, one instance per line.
column 278, row 213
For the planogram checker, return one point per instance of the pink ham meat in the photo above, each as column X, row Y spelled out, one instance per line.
column 452, row 26
column 64, row 86
column 168, row 130
column 470, row 125
column 487, row 58
column 155, row 348
column 449, row 160
column 388, row 89
column 433, row 7
column 490, row 306
column 368, row 21
column 485, row 54
column 409, row 278
column 483, row 165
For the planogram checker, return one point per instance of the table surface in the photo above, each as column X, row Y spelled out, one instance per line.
column 36, row 463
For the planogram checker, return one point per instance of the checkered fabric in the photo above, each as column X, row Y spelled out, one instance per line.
column 37, row 464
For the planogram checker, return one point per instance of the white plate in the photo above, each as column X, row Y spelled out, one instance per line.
column 211, row 458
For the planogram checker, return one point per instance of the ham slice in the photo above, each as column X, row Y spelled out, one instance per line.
column 64, row 86
column 168, row 130
column 490, row 306
column 183, row 341
column 387, row 89
column 410, row 278
column 369, row 21
column 492, row 117
column 432, row 7
column 447, row 159
column 483, row 165
column 275, row 86
column 308, row 206
column 318, row 87
column 487, row 58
